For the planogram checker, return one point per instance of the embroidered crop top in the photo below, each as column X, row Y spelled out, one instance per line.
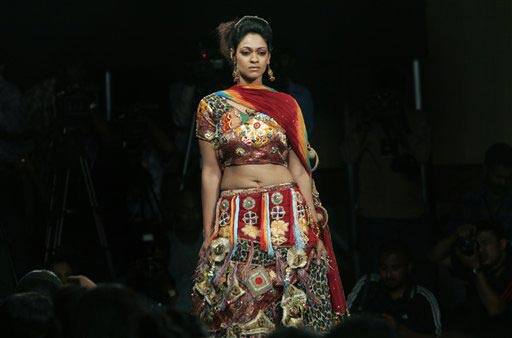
column 240, row 137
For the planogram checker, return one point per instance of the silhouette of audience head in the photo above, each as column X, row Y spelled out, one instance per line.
column 65, row 302
column 110, row 310
column 292, row 332
column 41, row 281
column 27, row 315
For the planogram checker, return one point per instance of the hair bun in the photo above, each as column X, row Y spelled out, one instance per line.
column 224, row 31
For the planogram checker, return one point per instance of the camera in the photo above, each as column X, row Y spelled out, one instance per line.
column 467, row 246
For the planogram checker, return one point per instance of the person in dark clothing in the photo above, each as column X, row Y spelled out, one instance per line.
column 363, row 326
column 410, row 308
column 493, row 201
column 479, row 254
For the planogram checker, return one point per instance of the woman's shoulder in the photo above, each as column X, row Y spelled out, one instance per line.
column 284, row 95
column 210, row 97
column 215, row 96
column 215, row 103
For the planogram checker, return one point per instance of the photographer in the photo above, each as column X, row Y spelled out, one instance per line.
column 479, row 255
column 389, row 143
column 492, row 201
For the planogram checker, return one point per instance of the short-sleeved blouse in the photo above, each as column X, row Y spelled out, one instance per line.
column 240, row 137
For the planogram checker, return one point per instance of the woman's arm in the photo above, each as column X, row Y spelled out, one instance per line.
column 211, row 176
column 303, row 180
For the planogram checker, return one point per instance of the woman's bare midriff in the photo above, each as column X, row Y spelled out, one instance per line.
column 254, row 176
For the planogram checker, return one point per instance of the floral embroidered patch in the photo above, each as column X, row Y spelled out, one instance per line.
column 251, row 231
column 278, row 229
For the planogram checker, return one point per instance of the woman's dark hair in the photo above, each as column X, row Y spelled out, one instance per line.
column 232, row 32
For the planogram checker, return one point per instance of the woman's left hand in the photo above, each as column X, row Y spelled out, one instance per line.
column 320, row 248
column 203, row 252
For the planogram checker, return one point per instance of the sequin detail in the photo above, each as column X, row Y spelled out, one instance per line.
column 277, row 198
column 249, row 203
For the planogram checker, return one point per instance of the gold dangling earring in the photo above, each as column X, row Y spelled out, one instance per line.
column 236, row 74
column 270, row 73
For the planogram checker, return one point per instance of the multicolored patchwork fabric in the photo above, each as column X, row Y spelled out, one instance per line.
column 280, row 106
column 239, row 297
column 244, row 289
column 240, row 137
column 270, row 216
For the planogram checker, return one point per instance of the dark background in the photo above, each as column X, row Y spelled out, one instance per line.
column 345, row 49
column 158, row 37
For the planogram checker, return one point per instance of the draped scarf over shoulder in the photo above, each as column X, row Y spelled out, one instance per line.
column 281, row 107
column 286, row 112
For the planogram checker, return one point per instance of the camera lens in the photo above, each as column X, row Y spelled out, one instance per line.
column 467, row 246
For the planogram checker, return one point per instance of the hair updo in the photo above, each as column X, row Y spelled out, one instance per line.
column 232, row 32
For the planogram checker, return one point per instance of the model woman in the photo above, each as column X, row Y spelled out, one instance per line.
column 267, row 259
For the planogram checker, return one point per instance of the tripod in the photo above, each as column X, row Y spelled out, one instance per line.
column 59, row 199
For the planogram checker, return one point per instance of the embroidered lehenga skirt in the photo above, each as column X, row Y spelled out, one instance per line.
column 262, row 270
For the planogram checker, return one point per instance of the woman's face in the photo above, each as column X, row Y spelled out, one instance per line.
column 252, row 58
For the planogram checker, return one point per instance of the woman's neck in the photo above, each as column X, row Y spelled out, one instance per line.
column 254, row 83
column 251, row 85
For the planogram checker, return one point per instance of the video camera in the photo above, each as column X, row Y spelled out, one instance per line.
column 73, row 108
